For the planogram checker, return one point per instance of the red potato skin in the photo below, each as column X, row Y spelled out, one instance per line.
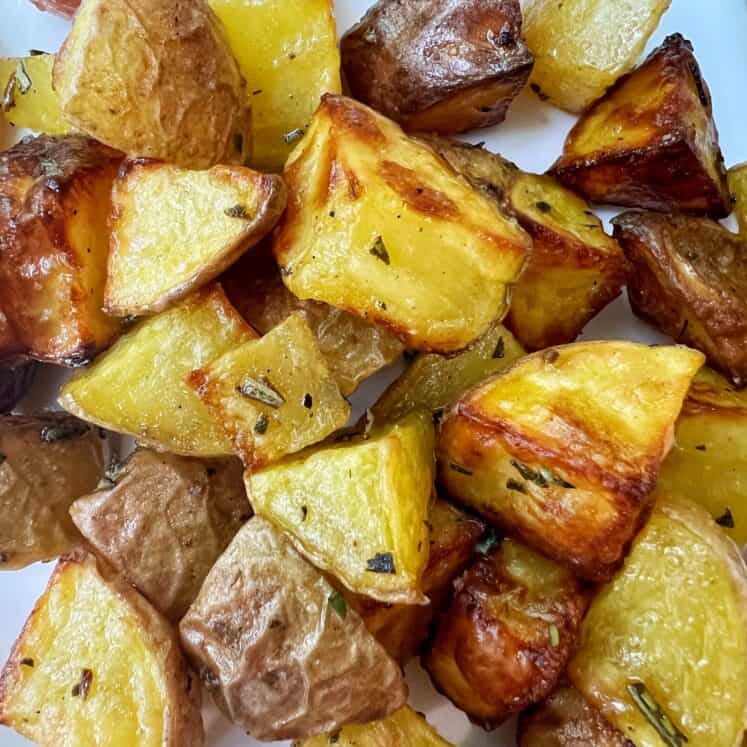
column 65, row 8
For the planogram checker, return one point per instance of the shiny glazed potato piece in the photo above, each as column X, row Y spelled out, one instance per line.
column 95, row 664
column 267, row 623
column 581, row 47
column 140, row 386
column 273, row 396
column 737, row 178
column 155, row 78
column 563, row 449
column 46, row 462
column 163, row 520
column 14, row 383
column 173, row 230
column 674, row 620
column 438, row 65
column 378, row 225
column 690, row 280
column 650, row 141
column 56, row 194
column 358, row 508
column 508, row 634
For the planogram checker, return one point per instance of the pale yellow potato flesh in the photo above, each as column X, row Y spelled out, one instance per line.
column 737, row 176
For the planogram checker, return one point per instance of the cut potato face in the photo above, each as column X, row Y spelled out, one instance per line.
column 358, row 508
column 97, row 665
column 377, row 224
column 173, row 230
column 669, row 635
column 737, row 177
column 140, row 386
column 563, row 449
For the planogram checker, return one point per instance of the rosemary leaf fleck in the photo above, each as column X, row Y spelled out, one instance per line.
column 62, row 431
column 458, row 468
column 489, row 540
column 512, row 484
column 554, row 636
column 655, row 715
column 27, row 662
column 22, row 79
column 541, row 476
column 260, row 426
column 262, row 391
column 500, row 349
column 726, row 519
column 81, row 688
column 237, row 211
column 382, row 562
column 337, row 603
column 307, row 401
column 293, row 136
column 543, row 207
column 379, row 251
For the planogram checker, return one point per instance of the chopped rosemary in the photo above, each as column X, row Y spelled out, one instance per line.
column 543, row 207
column 36, row 52
column 726, row 519
column 700, row 447
column 304, row 513
column 293, row 136
column 237, row 211
column 260, row 426
column 22, row 78
column 554, row 636
column 62, row 431
column 379, row 251
column 512, row 484
column 307, row 401
column 655, row 715
column 500, row 349
column 489, row 540
column 540, row 476
column 261, row 390
column 27, row 662
column 382, row 562
column 81, row 688
column 337, row 603
column 458, row 468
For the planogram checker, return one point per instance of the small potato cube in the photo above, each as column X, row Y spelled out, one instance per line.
column 737, row 178
column 437, row 65
column 564, row 448
column 379, row 225
column 508, row 634
column 273, row 396
column 173, row 230
column 650, row 141
column 358, row 508
column 95, row 664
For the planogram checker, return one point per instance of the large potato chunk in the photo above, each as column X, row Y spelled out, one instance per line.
column 46, row 462
column 96, row 665
column 174, row 230
column 163, row 520
column 358, row 508
column 690, row 280
column 377, row 224
column 581, row 47
column 140, row 385
column 563, row 449
column 508, row 634
column 650, row 141
column 664, row 646
column 279, row 649
column 438, row 65
column 737, row 178
column 54, row 243
column 155, row 78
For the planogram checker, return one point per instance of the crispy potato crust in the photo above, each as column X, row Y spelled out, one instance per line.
column 14, row 383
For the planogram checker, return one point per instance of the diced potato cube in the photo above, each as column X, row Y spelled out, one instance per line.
column 737, row 178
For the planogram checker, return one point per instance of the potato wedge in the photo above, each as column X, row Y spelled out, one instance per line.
column 140, row 386
column 14, row 383
column 664, row 646
column 155, row 78
column 56, row 196
column 563, row 449
column 46, row 462
column 737, row 179
column 377, row 225
column 438, row 65
column 162, row 521
column 173, row 230
column 581, row 47
column 358, row 508
column 690, row 281
column 96, row 665
column 650, row 141
column 267, row 623
column 273, row 396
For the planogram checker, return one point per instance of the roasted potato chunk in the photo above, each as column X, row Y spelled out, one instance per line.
column 690, row 280
column 650, row 141
column 155, row 78
column 267, row 623
column 563, row 449
column 162, row 521
column 663, row 649
column 581, row 47
column 56, row 198
column 140, row 386
column 737, row 179
column 378, row 225
column 46, row 462
column 508, row 634
column 14, row 383
column 95, row 664
column 273, row 396
column 173, row 230
column 440, row 65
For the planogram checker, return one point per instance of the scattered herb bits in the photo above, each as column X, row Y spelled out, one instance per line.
column 81, row 688
column 237, row 211
column 382, row 562
column 261, row 390
column 726, row 519
column 293, row 136
column 656, row 716
column 337, row 603
column 379, row 251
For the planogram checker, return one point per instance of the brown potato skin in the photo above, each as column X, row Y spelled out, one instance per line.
column 690, row 281
column 65, row 8
column 399, row 59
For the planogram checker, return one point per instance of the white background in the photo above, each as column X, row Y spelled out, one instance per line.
column 532, row 136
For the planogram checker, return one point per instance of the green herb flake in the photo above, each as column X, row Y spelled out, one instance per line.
column 379, row 251
column 337, row 603
column 726, row 519
column 62, row 431
column 82, row 687
column 500, row 349
column 541, row 476
column 488, row 542
column 512, row 484
column 554, row 636
column 655, row 715
column 293, row 136
column 382, row 562
column 260, row 426
column 261, row 390
column 237, row 211
column 543, row 207
column 458, row 468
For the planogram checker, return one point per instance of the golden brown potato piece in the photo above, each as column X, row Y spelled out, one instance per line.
column 15, row 381
column 162, row 521
column 267, row 623
column 650, row 141
column 379, row 225
column 55, row 241
column 737, row 178
column 690, row 280
column 155, row 78
column 508, row 634
column 46, row 462
column 95, row 664
column 438, row 65
column 563, row 449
